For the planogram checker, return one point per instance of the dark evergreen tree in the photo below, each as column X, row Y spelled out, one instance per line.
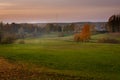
column 114, row 23
column 1, row 26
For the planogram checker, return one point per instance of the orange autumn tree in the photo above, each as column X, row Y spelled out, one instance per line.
column 84, row 35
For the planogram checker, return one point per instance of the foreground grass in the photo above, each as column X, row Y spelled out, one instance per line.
column 65, row 56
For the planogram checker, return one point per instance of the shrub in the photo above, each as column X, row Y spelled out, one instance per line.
column 21, row 42
column 77, row 37
column 61, row 35
column 8, row 39
column 108, row 40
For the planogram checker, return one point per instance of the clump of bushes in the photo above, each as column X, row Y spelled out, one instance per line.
column 21, row 42
column 61, row 34
column 8, row 39
column 108, row 40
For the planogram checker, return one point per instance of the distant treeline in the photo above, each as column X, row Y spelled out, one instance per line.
column 23, row 30
column 20, row 29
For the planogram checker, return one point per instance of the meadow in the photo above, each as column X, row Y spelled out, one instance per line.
column 97, row 61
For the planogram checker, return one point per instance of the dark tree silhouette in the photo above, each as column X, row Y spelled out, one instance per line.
column 114, row 23
column 1, row 26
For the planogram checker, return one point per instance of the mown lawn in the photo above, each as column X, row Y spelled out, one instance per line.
column 97, row 60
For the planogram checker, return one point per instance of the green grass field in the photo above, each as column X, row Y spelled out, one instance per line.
column 63, row 55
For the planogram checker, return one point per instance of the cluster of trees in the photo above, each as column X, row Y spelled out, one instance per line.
column 13, row 31
column 61, row 28
column 52, row 27
column 20, row 29
column 84, row 35
column 114, row 23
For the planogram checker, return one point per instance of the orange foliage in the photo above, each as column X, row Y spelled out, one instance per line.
column 77, row 37
column 84, row 35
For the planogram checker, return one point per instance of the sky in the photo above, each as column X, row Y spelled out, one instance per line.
column 57, row 10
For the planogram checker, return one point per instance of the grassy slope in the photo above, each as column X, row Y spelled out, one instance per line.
column 87, row 59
